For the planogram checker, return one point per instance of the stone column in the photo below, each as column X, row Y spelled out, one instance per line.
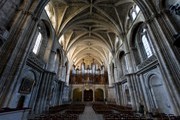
column 44, row 93
column 169, row 96
column 145, row 93
column 128, row 59
column 14, row 52
column 161, row 30
column 61, row 93
column 115, row 74
column 141, row 96
column 51, row 63
column 132, row 92
column 110, row 76
column 39, row 95
column 121, row 94
column 117, row 93
column 68, row 75
column 169, row 64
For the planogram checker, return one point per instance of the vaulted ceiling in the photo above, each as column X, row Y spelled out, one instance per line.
column 92, row 29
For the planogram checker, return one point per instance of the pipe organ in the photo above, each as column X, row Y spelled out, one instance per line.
column 88, row 74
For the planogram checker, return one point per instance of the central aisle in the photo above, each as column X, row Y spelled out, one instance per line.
column 89, row 114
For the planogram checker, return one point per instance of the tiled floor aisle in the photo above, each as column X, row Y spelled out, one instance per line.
column 89, row 114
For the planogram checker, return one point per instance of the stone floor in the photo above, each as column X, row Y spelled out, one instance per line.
column 89, row 114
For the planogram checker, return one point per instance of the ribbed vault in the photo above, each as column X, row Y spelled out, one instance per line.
column 92, row 29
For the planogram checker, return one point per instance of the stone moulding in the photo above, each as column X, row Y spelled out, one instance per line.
column 32, row 57
column 147, row 62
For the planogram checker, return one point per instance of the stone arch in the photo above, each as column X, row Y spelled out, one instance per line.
column 127, row 94
column 121, row 54
column 133, row 34
column 63, row 64
column 66, row 68
column 25, row 89
column 54, row 93
column 77, row 95
column 88, row 95
column 62, row 56
column 158, row 94
column 141, row 50
column 29, row 78
column 99, row 95
column 57, row 61
column 53, row 11
column 145, row 8
column 122, row 62
column 41, row 28
column 127, row 20
column 50, row 38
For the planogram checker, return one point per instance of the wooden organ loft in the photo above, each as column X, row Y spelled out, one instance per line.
column 89, row 74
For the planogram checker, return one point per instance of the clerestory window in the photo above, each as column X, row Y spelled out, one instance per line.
column 37, row 43
column 146, row 46
column 132, row 15
column 143, row 43
column 134, row 12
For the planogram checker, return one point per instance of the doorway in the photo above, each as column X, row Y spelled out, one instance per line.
column 99, row 95
column 77, row 95
column 88, row 95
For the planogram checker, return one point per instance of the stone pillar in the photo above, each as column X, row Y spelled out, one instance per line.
column 169, row 96
column 169, row 64
column 110, row 79
column 161, row 30
column 116, row 74
column 14, row 52
column 120, row 94
column 68, row 76
column 61, row 92
column 128, row 59
column 141, row 96
column 63, row 73
column 147, row 103
column 132, row 92
column 117, row 94
column 118, row 70
column 51, row 63
column 45, row 92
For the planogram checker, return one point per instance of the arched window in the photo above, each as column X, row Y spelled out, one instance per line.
column 143, row 42
column 134, row 12
column 132, row 15
column 37, row 43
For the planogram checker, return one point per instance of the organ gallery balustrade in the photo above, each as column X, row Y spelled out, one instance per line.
column 88, row 78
